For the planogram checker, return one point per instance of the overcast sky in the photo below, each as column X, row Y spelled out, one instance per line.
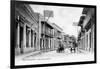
column 63, row 17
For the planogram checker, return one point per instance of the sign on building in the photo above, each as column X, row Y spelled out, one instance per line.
column 48, row 13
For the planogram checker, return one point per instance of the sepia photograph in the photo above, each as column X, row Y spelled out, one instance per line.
column 52, row 34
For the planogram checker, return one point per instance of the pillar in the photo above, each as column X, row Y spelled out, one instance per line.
column 39, row 33
column 49, row 42
column 18, row 36
column 88, row 41
column 37, row 46
column 42, row 43
column 24, row 36
column 85, row 41
column 29, row 37
column 81, row 43
column 93, row 38
column 33, row 39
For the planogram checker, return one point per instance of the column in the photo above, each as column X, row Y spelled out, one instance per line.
column 37, row 47
column 93, row 37
column 43, row 42
column 33, row 38
column 81, row 43
column 49, row 43
column 45, row 36
column 18, row 38
column 39, row 33
column 29, row 37
column 85, row 41
column 88, row 41
column 24, row 36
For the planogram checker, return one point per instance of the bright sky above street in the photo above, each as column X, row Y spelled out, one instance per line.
column 63, row 17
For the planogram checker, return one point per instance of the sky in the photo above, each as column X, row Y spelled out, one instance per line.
column 64, row 17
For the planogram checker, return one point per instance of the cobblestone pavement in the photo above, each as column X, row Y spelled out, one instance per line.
column 54, row 57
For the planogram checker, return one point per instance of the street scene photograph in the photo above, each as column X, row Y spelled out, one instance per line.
column 46, row 34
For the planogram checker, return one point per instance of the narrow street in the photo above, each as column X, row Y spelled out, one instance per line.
column 54, row 57
column 40, row 32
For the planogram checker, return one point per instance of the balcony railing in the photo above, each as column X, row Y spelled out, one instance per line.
column 86, row 21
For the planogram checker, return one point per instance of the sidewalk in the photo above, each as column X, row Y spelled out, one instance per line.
column 86, row 52
column 54, row 57
column 27, row 54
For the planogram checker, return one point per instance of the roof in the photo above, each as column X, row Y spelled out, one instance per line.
column 57, row 27
column 85, row 10
column 81, row 20
column 53, row 25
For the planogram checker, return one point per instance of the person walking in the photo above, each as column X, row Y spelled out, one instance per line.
column 74, row 46
column 60, row 48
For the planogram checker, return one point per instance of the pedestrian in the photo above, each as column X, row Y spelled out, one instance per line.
column 74, row 46
column 60, row 48
column 71, row 45
column 71, row 49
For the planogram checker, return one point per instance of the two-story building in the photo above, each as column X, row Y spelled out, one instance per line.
column 50, row 35
column 58, row 37
column 27, row 29
column 33, row 32
column 86, row 39
column 46, row 43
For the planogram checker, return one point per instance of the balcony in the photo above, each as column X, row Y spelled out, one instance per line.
column 86, row 21
column 81, row 20
column 85, row 10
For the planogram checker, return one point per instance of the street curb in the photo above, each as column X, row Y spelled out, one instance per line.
column 28, row 54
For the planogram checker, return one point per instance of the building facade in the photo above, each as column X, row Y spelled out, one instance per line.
column 27, row 30
column 50, row 36
column 86, row 39
column 34, row 32
column 46, row 39
column 58, row 37
column 67, row 41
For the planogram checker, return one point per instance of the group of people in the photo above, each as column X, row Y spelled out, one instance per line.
column 61, row 47
column 73, row 48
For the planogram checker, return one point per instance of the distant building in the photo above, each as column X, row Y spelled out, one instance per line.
column 86, row 35
column 57, row 35
column 66, row 40
column 46, row 39
column 50, row 35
